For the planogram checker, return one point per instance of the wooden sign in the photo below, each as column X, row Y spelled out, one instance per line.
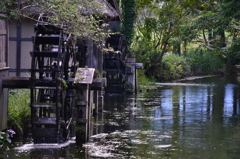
column 84, row 76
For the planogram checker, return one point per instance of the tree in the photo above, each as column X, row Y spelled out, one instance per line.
column 231, row 12
column 160, row 27
column 165, row 26
column 128, row 21
column 79, row 17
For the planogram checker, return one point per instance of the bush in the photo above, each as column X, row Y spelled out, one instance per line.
column 19, row 111
column 172, row 67
column 143, row 81
column 204, row 62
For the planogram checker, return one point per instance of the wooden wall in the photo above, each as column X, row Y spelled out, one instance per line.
column 20, row 42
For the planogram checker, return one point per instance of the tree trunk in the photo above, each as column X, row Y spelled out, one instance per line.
column 222, row 41
column 177, row 49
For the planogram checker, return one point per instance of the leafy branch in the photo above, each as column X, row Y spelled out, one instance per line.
column 79, row 17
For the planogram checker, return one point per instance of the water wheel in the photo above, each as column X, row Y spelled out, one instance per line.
column 115, row 64
column 52, row 94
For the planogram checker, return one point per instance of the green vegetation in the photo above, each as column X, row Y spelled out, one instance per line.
column 143, row 81
column 18, row 110
column 203, row 62
column 77, row 17
column 172, row 67
column 128, row 19
column 175, row 39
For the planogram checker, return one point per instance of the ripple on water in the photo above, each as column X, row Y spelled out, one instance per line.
column 28, row 147
column 163, row 146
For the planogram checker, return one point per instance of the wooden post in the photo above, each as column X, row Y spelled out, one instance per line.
column 95, row 110
column 83, row 79
column 82, row 114
column 100, row 101
column 4, row 71
column 132, row 74
column 3, row 101
column 90, row 112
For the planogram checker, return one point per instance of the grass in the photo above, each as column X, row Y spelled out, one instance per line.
column 143, row 81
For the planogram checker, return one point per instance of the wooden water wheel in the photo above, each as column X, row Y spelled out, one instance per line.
column 52, row 94
column 115, row 63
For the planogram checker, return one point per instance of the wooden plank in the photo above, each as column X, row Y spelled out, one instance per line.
column 139, row 65
column 131, row 60
column 45, row 105
column 2, row 65
column 45, row 132
column 3, row 43
column 81, row 103
column 50, row 121
column 97, row 84
column 16, row 82
column 3, row 32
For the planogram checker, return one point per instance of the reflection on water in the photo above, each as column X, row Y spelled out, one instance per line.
column 179, row 121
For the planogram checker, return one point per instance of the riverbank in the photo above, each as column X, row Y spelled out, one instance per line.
column 178, row 82
column 191, row 78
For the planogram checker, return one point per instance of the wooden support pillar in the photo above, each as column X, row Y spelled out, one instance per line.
column 97, row 85
column 3, row 101
column 132, row 67
column 90, row 112
column 131, row 75
column 95, row 100
column 82, row 114
column 83, row 79
column 100, row 101
column 4, row 71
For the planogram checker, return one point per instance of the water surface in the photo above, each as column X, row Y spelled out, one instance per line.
column 197, row 120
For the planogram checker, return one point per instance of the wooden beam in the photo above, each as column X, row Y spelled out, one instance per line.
column 16, row 82
column 18, row 53
column 3, row 32
column 97, row 84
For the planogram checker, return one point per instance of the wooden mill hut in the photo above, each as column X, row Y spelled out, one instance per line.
column 21, row 33
column 16, row 45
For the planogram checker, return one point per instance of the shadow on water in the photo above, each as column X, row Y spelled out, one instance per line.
column 179, row 121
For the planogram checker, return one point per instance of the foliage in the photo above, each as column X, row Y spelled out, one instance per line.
column 172, row 67
column 5, row 139
column 232, row 54
column 196, row 61
column 204, row 61
column 19, row 112
column 170, row 27
column 160, row 26
column 9, row 8
column 143, row 81
column 78, row 17
column 129, row 18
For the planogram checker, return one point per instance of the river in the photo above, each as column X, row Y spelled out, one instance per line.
column 199, row 119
